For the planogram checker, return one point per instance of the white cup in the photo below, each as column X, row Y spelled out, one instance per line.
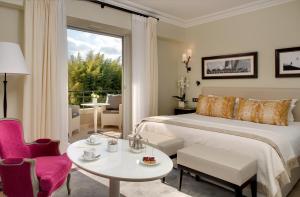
column 93, row 139
column 112, row 145
column 88, row 154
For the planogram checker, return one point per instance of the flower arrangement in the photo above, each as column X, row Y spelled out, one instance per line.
column 182, row 85
column 93, row 95
column 112, row 142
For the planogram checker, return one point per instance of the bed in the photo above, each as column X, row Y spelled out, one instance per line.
column 276, row 148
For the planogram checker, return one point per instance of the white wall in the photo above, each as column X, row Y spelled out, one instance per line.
column 170, row 36
column 169, row 54
column 11, row 23
column 263, row 31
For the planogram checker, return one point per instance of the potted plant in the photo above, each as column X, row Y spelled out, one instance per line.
column 182, row 85
column 94, row 97
column 181, row 100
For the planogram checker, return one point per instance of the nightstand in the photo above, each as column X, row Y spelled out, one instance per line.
column 184, row 110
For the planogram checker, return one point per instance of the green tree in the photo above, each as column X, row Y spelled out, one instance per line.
column 96, row 74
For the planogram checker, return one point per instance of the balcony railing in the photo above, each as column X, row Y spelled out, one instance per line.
column 79, row 97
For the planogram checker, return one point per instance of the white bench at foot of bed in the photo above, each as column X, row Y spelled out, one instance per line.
column 226, row 167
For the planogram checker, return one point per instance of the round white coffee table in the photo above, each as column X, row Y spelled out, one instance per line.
column 122, row 165
column 95, row 106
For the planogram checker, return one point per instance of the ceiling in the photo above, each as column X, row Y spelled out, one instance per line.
column 193, row 12
column 189, row 9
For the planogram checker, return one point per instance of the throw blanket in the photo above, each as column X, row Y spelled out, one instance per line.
column 281, row 145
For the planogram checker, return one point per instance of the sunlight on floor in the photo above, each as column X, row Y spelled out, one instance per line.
column 85, row 133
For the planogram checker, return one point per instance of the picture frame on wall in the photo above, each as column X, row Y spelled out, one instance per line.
column 234, row 66
column 287, row 62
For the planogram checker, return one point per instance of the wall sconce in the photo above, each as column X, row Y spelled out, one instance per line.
column 186, row 57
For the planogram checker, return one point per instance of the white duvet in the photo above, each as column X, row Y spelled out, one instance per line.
column 270, row 165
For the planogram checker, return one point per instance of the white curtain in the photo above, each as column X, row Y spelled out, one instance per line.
column 127, row 93
column 144, row 68
column 45, row 113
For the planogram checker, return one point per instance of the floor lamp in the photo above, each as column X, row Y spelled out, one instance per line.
column 11, row 62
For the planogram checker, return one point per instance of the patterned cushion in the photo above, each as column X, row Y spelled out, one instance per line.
column 216, row 106
column 273, row 112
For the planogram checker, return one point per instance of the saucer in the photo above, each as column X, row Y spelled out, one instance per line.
column 91, row 159
column 136, row 151
column 97, row 142
column 150, row 164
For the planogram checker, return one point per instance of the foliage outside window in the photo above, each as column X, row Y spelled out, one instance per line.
column 95, row 74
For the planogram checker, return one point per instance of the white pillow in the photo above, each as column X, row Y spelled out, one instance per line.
column 292, row 107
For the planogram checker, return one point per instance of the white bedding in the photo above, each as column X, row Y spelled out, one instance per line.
column 270, row 165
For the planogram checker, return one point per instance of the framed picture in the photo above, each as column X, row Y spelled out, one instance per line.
column 243, row 65
column 287, row 62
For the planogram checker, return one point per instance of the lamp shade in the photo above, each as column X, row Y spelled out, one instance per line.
column 11, row 59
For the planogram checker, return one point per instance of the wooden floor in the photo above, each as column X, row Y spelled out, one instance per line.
column 85, row 133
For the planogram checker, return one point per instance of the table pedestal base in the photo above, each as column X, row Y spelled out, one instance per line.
column 114, row 188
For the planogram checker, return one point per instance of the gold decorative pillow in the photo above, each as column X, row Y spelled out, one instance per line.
column 216, row 106
column 264, row 111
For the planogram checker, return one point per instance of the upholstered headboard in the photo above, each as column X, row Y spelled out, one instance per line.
column 258, row 93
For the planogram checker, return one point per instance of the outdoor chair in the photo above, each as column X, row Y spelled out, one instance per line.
column 74, row 119
column 112, row 113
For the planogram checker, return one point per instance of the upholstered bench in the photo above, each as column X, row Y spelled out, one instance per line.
column 225, row 167
column 167, row 144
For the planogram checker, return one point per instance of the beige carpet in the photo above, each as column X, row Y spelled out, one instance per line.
column 133, row 189
column 88, row 185
column 84, row 184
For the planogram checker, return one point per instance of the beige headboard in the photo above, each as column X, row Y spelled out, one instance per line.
column 258, row 93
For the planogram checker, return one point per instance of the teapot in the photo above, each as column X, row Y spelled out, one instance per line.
column 136, row 142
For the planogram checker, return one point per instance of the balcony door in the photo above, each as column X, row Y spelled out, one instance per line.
column 95, row 83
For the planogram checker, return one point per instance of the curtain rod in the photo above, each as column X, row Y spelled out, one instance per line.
column 103, row 4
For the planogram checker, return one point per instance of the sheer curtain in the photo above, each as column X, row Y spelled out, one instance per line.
column 144, row 68
column 127, row 93
column 45, row 113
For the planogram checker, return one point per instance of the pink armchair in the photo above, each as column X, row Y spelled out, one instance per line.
column 30, row 170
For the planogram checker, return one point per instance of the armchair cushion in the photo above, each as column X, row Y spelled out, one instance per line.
column 44, row 147
column 43, row 141
column 114, row 101
column 75, row 110
column 52, row 171
column 75, row 114
column 11, row 140
column 111, row 112
column 13, row 161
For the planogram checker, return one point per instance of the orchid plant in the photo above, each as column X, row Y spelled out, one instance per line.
column 182, row 85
